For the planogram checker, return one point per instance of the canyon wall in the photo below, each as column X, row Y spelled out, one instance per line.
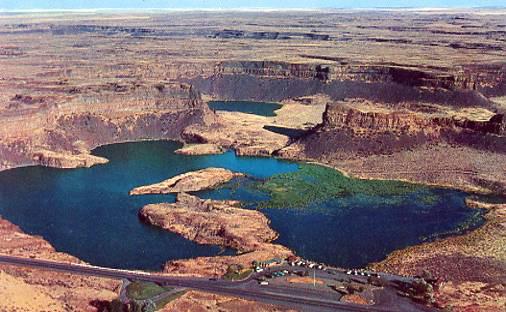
column 484, row 78
column 249, row 87
column 342, row 115
column 69, row 131
column 364, row 128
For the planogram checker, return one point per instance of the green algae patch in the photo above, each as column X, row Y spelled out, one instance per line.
column 313, row 184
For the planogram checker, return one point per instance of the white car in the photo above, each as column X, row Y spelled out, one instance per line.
column 264, row 283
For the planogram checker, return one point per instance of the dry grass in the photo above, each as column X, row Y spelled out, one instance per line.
column 16, row 295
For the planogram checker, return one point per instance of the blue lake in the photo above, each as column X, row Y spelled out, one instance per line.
column 89, row 214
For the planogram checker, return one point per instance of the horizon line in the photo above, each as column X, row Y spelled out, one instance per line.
column 257, row 9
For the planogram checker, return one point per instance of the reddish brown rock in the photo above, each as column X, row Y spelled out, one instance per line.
column 188, row 182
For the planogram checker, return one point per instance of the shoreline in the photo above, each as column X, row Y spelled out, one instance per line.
column 472, row 192
column 206, row 266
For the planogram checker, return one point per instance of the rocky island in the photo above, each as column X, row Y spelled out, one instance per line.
column 188, row 182
column 389, row 95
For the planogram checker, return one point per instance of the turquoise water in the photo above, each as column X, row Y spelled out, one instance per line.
column 88, row 212
column 256, row 108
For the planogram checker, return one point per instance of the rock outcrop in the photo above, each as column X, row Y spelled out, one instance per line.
column 211, row 222
column 250, row 87
column 365, row 128
column 470, row 77
column 245, row 133
column 221, row 223
column 63, row 137
column 378, row 118
column 188, row 182
column 66, row 160
column 200, row 149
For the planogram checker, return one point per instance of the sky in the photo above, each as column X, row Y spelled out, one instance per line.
column 229, row 4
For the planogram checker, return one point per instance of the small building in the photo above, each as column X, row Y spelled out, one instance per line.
column 267, row 263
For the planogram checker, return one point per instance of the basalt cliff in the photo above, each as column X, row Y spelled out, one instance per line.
column 418, row 142
column 63, row 135
column 411, row 96
column 366, row 128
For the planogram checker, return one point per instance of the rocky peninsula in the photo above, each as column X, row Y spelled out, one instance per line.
column 211, row 222
column 188, row 182
column 215, row 222
column 422, row 101
column 67, row 160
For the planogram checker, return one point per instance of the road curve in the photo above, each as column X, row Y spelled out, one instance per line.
column 247, row 289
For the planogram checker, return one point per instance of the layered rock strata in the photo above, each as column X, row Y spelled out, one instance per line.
column 464, row 78
column 64, row 136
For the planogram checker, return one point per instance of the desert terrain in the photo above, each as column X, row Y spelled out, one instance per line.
column 393, row 95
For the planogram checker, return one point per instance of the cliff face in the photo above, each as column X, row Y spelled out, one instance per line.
column 97, row 128
column 340, row 115
column 102, row 115
column 488, row 79
column 363, row 128
column 265, row 88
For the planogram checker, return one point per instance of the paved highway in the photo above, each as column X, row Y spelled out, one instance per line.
column 297, row 298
